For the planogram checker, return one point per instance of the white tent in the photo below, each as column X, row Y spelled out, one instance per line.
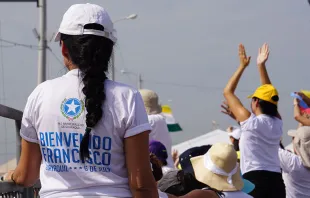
column 209, row 138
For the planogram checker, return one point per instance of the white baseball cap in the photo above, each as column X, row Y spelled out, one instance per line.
column 235, row 133
column 79, row 15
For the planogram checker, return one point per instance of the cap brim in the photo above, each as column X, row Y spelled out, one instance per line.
column 57, row 37
column 248, row 186
column 292, row 133
column 250, row 96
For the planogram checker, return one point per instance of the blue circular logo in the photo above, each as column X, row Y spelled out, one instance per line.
column 72, row 108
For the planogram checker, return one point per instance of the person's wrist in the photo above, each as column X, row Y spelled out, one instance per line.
column 242, row 66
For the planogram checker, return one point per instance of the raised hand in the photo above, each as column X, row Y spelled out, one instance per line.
column 263, row 54
column 226, row 110
column 244, row 60
column 175, row 155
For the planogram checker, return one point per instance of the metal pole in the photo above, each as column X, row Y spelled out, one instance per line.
column 139, row 81
column 42, row 43
column 113, row 66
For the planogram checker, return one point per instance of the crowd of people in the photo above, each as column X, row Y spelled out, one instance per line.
column 86, row 136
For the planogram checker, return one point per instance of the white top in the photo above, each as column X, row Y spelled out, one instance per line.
column 259, row 143
column 296, row 177
column 160, row 133
column 54, row 117
column 236, row 194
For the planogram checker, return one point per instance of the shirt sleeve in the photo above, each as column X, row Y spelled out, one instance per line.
column 287, row 160
column 137, row 120
column 250, row 124
column 28, row 131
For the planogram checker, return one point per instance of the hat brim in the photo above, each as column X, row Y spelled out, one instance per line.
column 250, row 96
column 153, row 110
column 301, row 145
column 57, row 37
column 292, row 133
column 213, row 180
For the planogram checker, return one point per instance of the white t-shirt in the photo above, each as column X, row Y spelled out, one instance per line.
column 54, row 117
column 259, row 143
column 160, row 133
column 296, row 177
column 236, row 194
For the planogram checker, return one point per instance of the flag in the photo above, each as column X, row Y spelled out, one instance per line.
column 173, row 126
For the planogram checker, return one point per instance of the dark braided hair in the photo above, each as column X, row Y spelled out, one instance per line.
column 91, row 54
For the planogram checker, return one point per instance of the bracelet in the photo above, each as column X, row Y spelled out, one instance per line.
column 13, row 178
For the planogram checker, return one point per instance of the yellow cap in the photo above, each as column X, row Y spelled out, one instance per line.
column 266, row 92
column 306, row 92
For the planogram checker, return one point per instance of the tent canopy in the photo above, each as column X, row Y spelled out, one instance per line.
column 209, row 138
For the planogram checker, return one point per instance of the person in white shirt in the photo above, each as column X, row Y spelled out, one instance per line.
column 86, row 136
column 261, row 130
column 157, row 120
column 296, row 166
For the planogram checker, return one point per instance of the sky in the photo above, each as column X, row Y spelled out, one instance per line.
column 185, row 51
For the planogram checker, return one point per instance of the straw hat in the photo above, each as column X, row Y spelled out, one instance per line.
column 150, row 99
column 218, row 168
column 301, row 144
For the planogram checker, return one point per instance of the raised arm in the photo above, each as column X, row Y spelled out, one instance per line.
column 263, row 54
column 233, row 101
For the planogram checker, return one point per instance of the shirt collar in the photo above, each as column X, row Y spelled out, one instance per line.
column 73, row 72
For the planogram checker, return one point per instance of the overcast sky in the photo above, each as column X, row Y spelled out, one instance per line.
column 185, row 50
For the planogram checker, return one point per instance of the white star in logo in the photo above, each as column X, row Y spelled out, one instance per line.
column 72, row 107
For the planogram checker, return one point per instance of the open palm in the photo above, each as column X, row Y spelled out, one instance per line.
column 244, row 60
column 263, row 54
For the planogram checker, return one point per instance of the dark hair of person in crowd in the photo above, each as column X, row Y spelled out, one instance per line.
column 91, row 54
column 268, row 108
column 188, row 183
column 236, row 144
column 156, row 167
